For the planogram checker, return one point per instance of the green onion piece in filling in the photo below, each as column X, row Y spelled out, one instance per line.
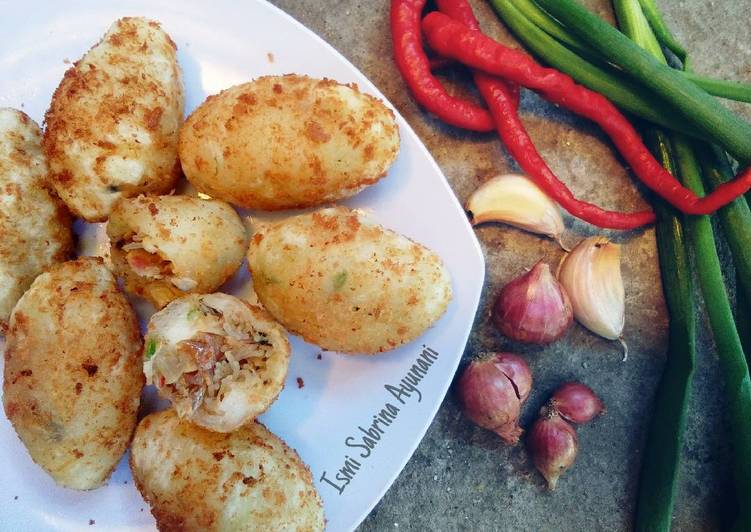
column 150, row 349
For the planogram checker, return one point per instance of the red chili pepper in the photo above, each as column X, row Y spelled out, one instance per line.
column 503, row 104
column 471, row 47
column 437, row 63
column 461, row 11
column 414, row 66
column 522, row 149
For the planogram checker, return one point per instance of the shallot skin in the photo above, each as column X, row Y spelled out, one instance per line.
column 577, row 403
column 517, row 370
column 534, row 307
column 492, row 390
column 553, row 445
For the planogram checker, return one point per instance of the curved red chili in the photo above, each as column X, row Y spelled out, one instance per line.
column 471, row 47
column 522, row 149
column 503, row 104
column 414, row 66
column 437, row 63
column 461, row 11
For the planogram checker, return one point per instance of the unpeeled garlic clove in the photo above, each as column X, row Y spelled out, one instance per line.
column 591, row 275
column 516, row 200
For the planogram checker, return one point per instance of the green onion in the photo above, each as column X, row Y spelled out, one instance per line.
column 727, row 340
column 632, row 22
column 620, row 91
column 734, row 217
column 661, row 30
column 655, row 502
column 339, row 280
column 662, row 452
column 150, row 349
column 731, row 90
column 743, row 321
column 555, row 29
column 698, row 108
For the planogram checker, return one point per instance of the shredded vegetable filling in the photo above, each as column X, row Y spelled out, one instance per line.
column 207, row 359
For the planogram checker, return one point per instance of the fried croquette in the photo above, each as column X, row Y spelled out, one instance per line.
column 283, row 142
column 198, row 480
column 72, row 381
column 220, row 361
column 112, row 127
column 167, row 246
column 345, row 283
column 35, row 227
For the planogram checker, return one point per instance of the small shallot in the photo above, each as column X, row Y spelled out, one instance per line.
column 553, row 445
column 591, row 275
column 533, row 308
column 492, row 390
column 576, row 402
column 516, row 200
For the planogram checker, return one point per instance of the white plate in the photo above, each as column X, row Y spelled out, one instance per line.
column 222, row 43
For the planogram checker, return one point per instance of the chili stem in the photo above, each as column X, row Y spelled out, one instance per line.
column 697, row 106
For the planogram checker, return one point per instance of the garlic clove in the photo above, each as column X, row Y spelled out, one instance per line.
column 516, row 200
column 591, row 275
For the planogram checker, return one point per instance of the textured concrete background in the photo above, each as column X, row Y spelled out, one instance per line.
column 461, row 477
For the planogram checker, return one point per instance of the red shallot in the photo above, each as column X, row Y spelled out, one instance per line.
column 576, row 402
column 553, row 445
column 534, row 307
column 492, row 390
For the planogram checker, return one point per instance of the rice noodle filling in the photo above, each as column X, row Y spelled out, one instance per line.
column 207, row 361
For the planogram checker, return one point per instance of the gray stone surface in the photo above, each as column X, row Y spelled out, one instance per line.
column 461, row 477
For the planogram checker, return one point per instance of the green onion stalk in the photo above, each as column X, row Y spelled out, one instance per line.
column 726, row 337
column 709, row 273
column 694, row 105
column 660, row 467
column 662, row 452
column 528, row 9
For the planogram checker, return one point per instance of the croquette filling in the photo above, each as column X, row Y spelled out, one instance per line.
column 151, row 265
column 198, row 367
column 146, row 264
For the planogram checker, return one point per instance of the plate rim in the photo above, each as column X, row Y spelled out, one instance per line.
column 475, row 244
